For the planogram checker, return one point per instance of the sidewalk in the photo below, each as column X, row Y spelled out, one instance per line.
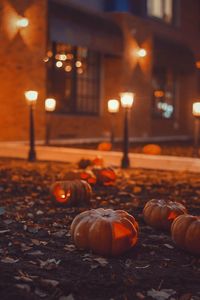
column 160, row 162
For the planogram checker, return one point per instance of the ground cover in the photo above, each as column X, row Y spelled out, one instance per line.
column 38, row 259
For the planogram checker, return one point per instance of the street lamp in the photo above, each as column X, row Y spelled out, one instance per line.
column 31, row 97
column 50, row 106
column 113, row 108
column 126, row 102
column 196, row 114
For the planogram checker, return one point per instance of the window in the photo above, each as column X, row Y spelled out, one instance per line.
column 74, row 79
column 162, row 9
column 164, row 89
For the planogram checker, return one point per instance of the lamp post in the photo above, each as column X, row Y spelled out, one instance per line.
column 31, row 97
column 126, row 102
column 113, row 108
column 50, row 105
column 196, row 114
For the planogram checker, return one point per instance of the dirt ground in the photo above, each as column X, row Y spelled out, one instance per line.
column 38, row 259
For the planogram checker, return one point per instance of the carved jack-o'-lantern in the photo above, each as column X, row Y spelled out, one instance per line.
column 105, row 231
column 86, row 175
column 160, row 213
column 71, row 193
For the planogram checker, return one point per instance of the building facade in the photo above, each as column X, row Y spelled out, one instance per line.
column 83, row 53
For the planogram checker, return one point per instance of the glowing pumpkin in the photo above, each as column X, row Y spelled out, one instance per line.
column 98, row 161
column 105, row 231
column 152, row 149
column 71, row 193
column 160, row 213
column 105, row 176
column 185, row 232
column 104, row 146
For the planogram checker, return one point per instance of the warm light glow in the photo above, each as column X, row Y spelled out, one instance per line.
column 62, row 57
column 158, row 93
column 45, row 59
column 196, row 109
column 31, row 96
column 68, row 68
column 59, row 64
column 80, row 71
column 78, row 63
column 127, row 99
column 49, row 53
column 113, row 106
column 141, row 52
column 50, row 104
column 22, row 22
column 198, row 64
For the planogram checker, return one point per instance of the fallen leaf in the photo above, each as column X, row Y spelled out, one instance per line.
column 50, row 282
column 9, row 260
column 161, row 294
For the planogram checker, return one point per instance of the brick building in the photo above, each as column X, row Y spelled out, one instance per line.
column 83, row 53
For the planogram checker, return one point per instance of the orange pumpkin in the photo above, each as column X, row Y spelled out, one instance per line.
column 105, row 231
column 160, row 213
column 71, row 192
column 152, row 149
column 98, row 161
column 105, row 176
column 86, row 175
column 104, row 146
column 185, row 232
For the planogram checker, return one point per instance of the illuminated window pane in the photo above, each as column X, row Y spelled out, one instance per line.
column 162, row 9
column 164, row 92
column 74, row 79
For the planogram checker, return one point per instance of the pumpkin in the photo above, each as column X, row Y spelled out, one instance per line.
column 185, row 231
column 152, row 149
column 86, row 175
column 105, row 231
column 160, row 213
column 98, row 161
column 105, row 176
column 104, row 146
column 71, row 192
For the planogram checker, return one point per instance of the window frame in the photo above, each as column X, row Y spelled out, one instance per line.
column 51, row 91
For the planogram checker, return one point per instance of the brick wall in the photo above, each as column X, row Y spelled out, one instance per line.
column 21, row 66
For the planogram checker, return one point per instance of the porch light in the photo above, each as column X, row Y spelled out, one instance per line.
column 127, row 99
column 196, row 109
column 113, row 106
column 50, row 104
column 22, row 22
column 31, row 97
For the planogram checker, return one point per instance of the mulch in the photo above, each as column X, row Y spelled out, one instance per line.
column 38, row 259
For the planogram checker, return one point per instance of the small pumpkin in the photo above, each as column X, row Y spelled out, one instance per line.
column 105, row 231
column 86, row 175
column 98, row 161
column 105, row 176
column 104, row 146
column 152, row 149
column 185, row 231
column 71, row 193
column 160, row 213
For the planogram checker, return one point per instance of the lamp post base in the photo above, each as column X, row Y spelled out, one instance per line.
column 125, row 163
column 32, row 155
